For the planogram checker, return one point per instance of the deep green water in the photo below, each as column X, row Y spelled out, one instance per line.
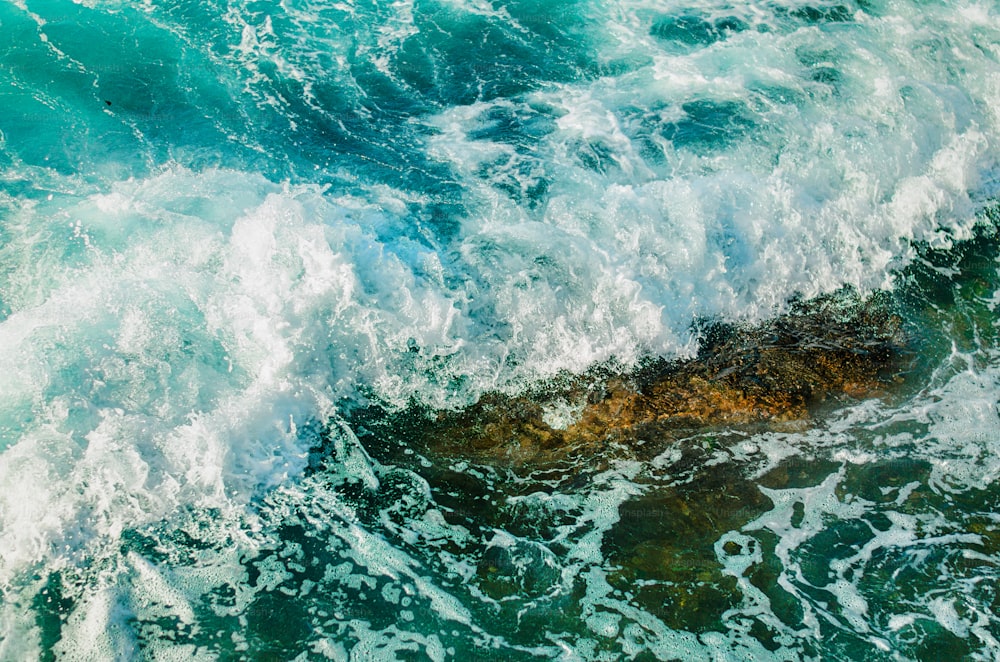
column 244, row 244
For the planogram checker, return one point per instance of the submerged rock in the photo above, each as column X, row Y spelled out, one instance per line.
column 834, row 349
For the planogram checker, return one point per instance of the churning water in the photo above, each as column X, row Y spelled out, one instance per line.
column 230, row 228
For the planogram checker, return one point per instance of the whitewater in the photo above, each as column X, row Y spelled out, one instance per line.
column 230, row 230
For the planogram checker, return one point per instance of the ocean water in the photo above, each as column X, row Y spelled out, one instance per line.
column 232, row 230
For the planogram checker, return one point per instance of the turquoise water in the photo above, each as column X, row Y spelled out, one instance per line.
column 237, row 239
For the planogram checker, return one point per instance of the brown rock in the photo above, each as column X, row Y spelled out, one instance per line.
column 828, row 351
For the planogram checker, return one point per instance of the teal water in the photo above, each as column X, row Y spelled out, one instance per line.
column 230, row 231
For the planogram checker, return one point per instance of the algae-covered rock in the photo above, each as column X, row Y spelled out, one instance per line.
column 831, row 350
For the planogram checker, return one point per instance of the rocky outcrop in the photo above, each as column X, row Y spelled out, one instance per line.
column 779, row 373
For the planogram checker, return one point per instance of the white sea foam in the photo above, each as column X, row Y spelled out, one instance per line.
column 170, row 338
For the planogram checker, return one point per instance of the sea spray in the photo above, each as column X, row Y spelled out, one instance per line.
column 225, row 225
